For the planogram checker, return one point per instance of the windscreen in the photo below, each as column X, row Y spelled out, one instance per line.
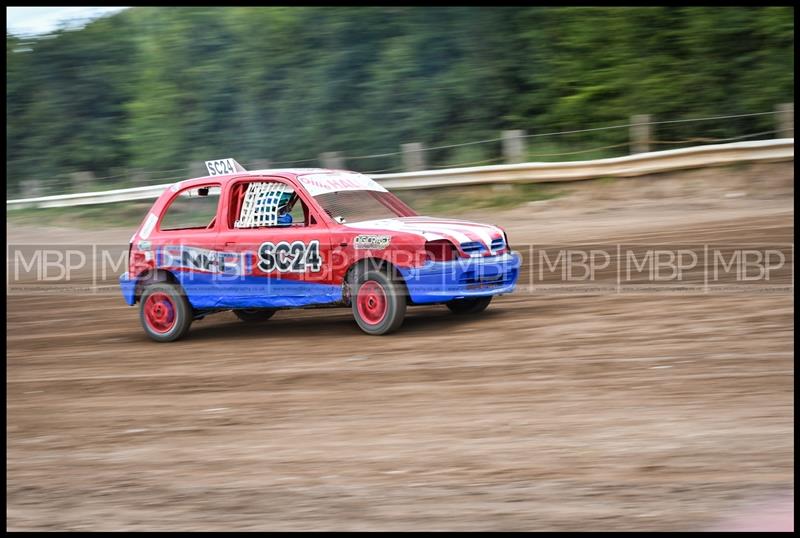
column 361, row 205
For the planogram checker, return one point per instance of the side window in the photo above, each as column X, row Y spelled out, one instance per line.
column 260, row 204
column 194, row 208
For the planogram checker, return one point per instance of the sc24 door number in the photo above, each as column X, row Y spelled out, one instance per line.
column 295, row 257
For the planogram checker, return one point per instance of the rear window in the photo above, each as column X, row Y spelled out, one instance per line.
column 193, row 208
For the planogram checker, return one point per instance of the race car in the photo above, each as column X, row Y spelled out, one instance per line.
column 256, row 242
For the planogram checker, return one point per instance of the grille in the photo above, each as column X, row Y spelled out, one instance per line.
column 498, row 244
column 477, row 279
column 472, row 247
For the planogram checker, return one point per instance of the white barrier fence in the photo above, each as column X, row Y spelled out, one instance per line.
column 537, row 172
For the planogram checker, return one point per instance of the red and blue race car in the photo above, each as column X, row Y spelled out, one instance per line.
column 260, row 241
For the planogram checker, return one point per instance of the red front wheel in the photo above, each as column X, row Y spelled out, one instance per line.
column 164, row 312
column 379, row 302
column 371, row 302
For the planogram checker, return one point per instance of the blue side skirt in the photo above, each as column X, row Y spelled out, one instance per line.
column 210, row 291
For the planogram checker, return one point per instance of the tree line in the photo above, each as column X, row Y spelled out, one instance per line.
column 152, row 89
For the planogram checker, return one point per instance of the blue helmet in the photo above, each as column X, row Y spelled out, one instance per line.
column 280, row 200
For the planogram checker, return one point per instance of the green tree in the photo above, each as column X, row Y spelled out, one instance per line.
column 156, row 89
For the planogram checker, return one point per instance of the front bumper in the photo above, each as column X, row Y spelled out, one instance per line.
column 438, row 282
column 128, row 286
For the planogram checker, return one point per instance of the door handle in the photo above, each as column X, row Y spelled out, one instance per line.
column 343, row 244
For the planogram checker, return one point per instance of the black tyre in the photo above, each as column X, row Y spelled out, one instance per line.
column 379, row 302
column 254, row 315
column 471, row 305
column 165, row 313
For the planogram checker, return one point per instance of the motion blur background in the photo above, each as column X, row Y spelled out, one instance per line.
column 138, row 96
column 600, row 408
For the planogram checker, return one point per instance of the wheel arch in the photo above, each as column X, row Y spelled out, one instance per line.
column 369, row 263
column 149, row 276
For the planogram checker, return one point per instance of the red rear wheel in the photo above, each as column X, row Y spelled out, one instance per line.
column 159, row 312
column 165, row 312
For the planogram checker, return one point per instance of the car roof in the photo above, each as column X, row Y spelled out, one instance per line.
column 288, row 173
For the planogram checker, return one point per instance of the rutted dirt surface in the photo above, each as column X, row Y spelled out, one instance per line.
column 603, row 411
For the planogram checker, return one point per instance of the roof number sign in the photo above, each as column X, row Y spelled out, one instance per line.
column 221, row 167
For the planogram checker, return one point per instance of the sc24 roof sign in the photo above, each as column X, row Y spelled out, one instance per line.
column 221, row 167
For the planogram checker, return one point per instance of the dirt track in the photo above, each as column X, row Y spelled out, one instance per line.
column 606, row 411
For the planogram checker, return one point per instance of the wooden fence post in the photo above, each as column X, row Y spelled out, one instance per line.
column 640, row 134
column 785, row 113
column 82, row 181
column 413, row 156
column 197, row 169
column 331, row 159
column 514, row 146
column 32, row 188
column 260, row 164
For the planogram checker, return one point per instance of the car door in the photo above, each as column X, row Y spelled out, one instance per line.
column 268, row 259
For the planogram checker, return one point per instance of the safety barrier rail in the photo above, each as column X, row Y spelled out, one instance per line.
column 533, row 172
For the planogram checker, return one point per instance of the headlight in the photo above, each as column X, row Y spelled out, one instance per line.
column 440, row 250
